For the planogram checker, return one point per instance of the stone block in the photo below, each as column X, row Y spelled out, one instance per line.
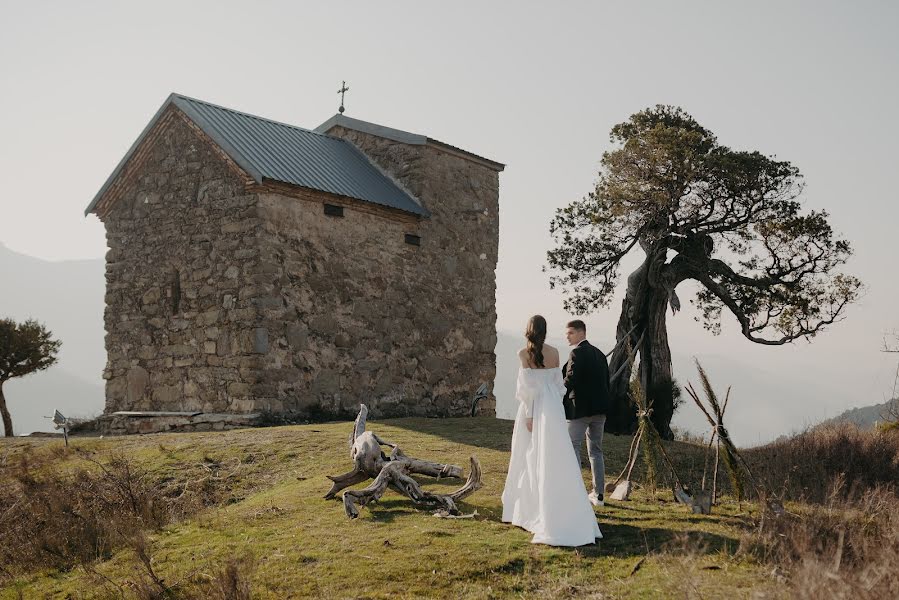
column 268, row 302
column 201, row 274
column 260, row 340
column 178, row 350
column 178, row 324
column 238, row 389
column 241, row 315
column 297, row 335
column 223, row 343
column 165, row 396
column 437, row 367
column 208, row 318
column 325, row 325
column 146, row 352
column 327, row 381
column 190, row 389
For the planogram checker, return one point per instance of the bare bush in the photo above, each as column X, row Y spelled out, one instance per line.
column 55, row 519
column 847, row 547
column 57, row 516
column 233, row 581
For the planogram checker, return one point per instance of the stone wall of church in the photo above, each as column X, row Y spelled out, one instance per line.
column 220, row 300
column 356, row 314
column 181, row 321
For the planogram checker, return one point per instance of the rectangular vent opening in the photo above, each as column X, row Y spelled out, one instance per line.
column 413, row 239
column 332, row 210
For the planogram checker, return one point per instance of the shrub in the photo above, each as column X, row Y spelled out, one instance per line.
column 847, row 547
column 56, row 516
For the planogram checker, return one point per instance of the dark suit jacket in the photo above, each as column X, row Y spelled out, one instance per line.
column 586, row 382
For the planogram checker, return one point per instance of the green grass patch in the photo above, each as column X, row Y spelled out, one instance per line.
column 269, row 506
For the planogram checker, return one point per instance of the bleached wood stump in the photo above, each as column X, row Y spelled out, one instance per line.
column 394, row 472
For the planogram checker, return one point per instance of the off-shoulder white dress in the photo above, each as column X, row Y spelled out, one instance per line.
column 544, row 491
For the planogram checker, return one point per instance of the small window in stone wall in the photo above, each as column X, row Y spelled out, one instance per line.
column 332, row 210
column 413, row 240
column 176, row 292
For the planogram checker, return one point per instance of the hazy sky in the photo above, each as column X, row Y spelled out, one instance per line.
column 535, row 86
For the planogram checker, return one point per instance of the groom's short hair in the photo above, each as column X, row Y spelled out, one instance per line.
column 577, row 324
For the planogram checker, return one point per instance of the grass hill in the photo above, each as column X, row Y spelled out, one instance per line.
column 867, row 416
column 240, row 514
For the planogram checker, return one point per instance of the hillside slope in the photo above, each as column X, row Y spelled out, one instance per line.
column 866, row 416
column 271, row 507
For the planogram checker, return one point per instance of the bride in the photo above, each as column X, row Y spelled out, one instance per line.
column 544, row 491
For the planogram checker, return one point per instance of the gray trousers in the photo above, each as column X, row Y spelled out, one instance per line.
column 593, row 427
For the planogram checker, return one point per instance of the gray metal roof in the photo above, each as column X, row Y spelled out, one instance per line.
column 268, row 150
column 405, row 137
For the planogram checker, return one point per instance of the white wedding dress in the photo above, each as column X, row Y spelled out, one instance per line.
column 544, row 491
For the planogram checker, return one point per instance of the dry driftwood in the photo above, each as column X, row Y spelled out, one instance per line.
column 394, row 472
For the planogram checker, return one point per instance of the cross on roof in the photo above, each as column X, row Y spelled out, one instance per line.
column 343, row 89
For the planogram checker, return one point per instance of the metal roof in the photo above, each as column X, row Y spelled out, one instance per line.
column 405, row 137
column 268, row 150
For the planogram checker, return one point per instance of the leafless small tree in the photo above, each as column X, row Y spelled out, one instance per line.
column 891, row 345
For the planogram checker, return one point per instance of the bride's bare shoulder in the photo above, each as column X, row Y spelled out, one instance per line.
column 550, row 356
column 523, row 357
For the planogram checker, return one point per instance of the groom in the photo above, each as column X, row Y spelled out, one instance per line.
column 586, row 401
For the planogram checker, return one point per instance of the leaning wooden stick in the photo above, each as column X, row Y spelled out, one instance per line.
column 370, row 462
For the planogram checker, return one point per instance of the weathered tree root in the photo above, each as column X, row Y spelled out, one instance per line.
column 394, row 471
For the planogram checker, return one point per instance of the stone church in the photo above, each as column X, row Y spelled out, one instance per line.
column 255, row 266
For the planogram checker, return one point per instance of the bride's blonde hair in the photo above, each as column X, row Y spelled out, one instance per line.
column 535, row 333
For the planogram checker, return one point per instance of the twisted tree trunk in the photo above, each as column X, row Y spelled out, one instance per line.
column 655, row 364
column 7, row 419
column 642, row 330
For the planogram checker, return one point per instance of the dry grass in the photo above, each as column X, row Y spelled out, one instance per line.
column 63, row 510
column 847, row 547
column 59, row 519
column 238, row 514
column 233, row 581
column 806, row 466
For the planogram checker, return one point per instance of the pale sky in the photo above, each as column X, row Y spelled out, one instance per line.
column 534, row 85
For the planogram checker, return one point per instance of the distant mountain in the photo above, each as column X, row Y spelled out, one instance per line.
column 866, row 416
column 67, row 297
